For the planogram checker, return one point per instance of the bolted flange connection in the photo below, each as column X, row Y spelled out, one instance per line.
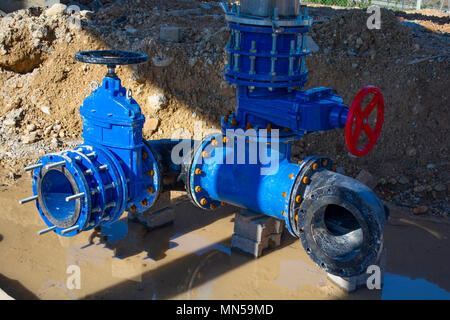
column 80, row 189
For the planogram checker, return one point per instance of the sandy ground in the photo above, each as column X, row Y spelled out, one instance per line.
column 191, row 259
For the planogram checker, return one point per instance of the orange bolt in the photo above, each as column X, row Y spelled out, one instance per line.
column 225, row 139
column 198, row 171
column 133, row 208
column 325, row 162
column 300, row 162
column 214, row 143
column 234, row 123
column 282, row 213
column 269, row 127
column 249, row 126
column 291, row 176
column 333, row 167
column 150, row 189
column 198, row 189
column 223, row 203
column 315, row 166
column 296, row 217
column 284, row 194
column 205, row 154
column 203, row 201
column 144, row 155
column 212, row 206
column 298, row 199
column 305, row 180
column 150, row 173
column 144, row 203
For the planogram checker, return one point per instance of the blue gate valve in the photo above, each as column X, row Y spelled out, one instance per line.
column 112, row 171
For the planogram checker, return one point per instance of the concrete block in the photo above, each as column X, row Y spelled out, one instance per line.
column 172, row 34
column 255, row 226
column 154, row 219
column 254, row 232
column 252, row 247
column 350, row 284
column 161, row 214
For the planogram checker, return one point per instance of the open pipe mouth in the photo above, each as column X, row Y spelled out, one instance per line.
column 54, row 186
column 340, row 223
column 337, row 232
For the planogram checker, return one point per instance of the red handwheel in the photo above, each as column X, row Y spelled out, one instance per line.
column 358, row 121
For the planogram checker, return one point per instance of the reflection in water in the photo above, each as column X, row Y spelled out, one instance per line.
column 193, row 243
column 398, row 287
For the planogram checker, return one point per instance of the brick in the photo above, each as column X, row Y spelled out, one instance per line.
column 255, row 226
column 252, row 247
column 155, row 219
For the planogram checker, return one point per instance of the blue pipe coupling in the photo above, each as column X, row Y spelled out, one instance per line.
column 80, row 189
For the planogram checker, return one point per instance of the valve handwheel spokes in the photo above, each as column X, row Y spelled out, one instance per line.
column 358, row 119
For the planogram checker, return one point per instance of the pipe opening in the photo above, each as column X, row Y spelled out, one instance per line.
column 337, row 232
column 55, row 187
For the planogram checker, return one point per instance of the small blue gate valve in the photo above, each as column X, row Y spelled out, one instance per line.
column 113, row 171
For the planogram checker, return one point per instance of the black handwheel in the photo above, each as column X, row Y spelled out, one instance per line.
column 111, row 57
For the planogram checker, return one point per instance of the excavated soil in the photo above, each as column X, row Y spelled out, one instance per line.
column 42, row 86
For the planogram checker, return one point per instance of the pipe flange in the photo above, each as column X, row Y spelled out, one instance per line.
column 308, row 167
column 54, row 168
column 152, row 177
column 341, row 231
column 193, row 186
column 115, row 205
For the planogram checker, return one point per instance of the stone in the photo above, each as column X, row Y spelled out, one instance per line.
column 10, row 122
column 367, row 178
column 31, row 127
column 156, row 102
column 161, row 61
column 29, row 138
column 403, row 179
column 56, row 9
column 151, row 124
column 171, row 34
column 392, row 181
column 420, row 210
column 411, row 152
column 45, row 109
column 440, row 187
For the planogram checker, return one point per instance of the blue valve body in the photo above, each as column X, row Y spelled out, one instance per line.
column 113, row 171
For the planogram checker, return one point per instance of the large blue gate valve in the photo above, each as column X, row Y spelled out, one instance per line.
column 113, row 171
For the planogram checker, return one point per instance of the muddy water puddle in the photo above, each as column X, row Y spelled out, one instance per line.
column 191, row 259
